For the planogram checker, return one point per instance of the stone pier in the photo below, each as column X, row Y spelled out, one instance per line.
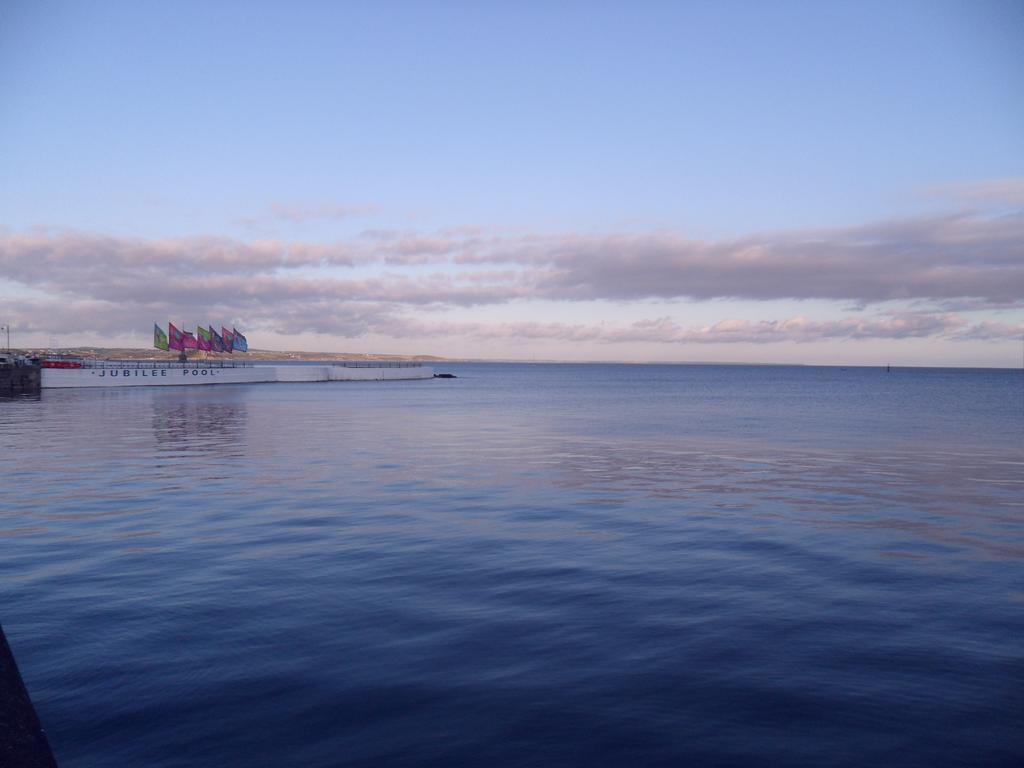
column 19, row 378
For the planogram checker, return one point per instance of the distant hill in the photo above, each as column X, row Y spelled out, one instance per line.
column 115, row 353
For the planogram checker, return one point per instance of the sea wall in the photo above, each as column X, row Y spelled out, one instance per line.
column 340, row 373
column 158, row 376
column 286, row 373
column 129, row 376
column 298, row 373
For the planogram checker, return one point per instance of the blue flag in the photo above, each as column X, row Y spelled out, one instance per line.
column 216, row 342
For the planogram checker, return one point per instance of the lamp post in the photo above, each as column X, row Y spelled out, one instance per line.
column 7, row 328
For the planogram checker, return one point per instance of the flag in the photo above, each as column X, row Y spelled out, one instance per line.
column 176, row 338
column 216, row 341
column 229, row 339
column 159, row 337
column 203, row 338
column 188, row 341
column 240, row 342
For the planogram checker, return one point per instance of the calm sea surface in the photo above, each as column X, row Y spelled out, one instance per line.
column 530, row 565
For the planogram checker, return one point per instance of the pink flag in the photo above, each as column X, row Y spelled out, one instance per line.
column 188, row 341
column 174, row 337
column 229, row 339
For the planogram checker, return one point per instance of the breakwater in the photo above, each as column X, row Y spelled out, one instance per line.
column 19, row 378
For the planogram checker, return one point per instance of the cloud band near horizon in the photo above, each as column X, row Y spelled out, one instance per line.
column 963, row 262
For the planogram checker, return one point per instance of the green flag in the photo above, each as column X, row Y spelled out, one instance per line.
column 204, row 338
column 159, row 337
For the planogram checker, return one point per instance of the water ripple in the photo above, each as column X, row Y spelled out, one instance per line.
column 529, row 565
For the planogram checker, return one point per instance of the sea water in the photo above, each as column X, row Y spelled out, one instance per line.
column 529, row 565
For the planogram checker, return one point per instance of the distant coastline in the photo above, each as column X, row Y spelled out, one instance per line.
column 133, row 353
column 130, row 353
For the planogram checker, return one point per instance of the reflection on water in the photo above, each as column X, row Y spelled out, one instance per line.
column 529, row 565
column 19, row 396
column 201, row 425
column 818, row 489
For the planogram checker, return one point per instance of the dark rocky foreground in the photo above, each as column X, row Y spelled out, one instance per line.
column 23, row 742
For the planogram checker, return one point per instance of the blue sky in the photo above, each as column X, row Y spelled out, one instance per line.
column 514, row 152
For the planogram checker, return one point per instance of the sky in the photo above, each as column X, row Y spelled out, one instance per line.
column 736, row 181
